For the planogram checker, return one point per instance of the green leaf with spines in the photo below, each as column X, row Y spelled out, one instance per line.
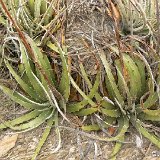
column 99, row 99
column 42, row 60
column 134, row 76
column 154, row 139
column 142, row 71
column 43, row 6
column 149, row 102
column 21, row 119
column 31, row 4
column 22, row 100
column 37, row 85
column 147, row 117
column 118, row 145
column 34, row 123
column 64, row 85
column 27, row 88
column 122, row 84
column 86, row 111
column 37, row 9
column 111, row 113
column 87, row 98
column 110, row 81
column 44, row 137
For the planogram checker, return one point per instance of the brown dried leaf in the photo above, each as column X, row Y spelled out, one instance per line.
column 7, row 143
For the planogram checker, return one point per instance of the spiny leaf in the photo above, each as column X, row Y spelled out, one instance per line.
column 22, row 100
column 81, row 92
column 99, row 99
column 83, row 103
column 118, row 145
column 44, row 137
column 86, row 112
column 144, row 116
column 42, row 60
column 123, row 86
column 43, row 6
column 3, row 21
column 37, row 9
column 27, row 88
column 151, row 79
column 110, row 81
column 110, row 113
column 155, row 140
column 34, row 123
column 21, row 119
column 134, row 75
column 151, row 100
column 152, row 112
column 124, row 123
column 37, row 85
column 31, row 4
column 141, row 68
column 64, row 85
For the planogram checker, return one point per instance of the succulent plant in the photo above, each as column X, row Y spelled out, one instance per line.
column 138, row 16
column 131, row 90
column 131, row 98
column 40, row 93
column 36, row 16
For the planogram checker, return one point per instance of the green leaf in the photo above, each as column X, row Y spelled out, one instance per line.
column 134, row 76
column 37, row 9
column 117, row 148
column 86, row 112
column 44, row 137
column 3, row 21
column 27, row 88
column 151, row 100
column 42, row 60
column 118, row 145
column 52, row 46
column 123, row 127
column 152, row 112
column 22, row 100
column 144, row 116
column 151, row 80
column 85, row 76
column 111, row 113
column 37, row 85
column 31, row 4
column 93, row 127
column 141, row 68
column 123, row 85
column 49, row 12
column 64, row 85
column 110, row 81
column 99, row 99
column 83, row 103
column 21, row 119
column 43, row 6
column 155, row 140
column 35, row 122
column 81, row 92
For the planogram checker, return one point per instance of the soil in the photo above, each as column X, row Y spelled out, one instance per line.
column 87, row 21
